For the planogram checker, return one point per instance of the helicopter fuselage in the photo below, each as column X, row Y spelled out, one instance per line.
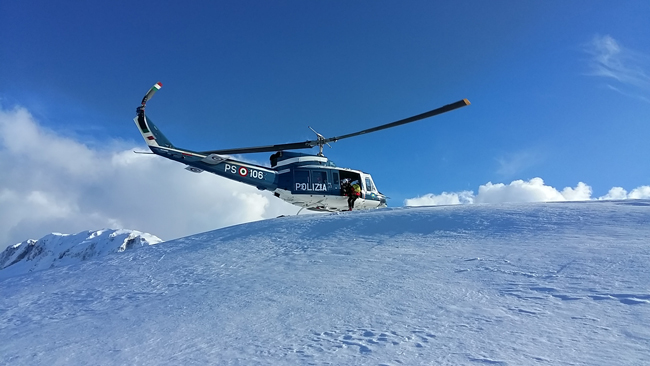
column 309, row 181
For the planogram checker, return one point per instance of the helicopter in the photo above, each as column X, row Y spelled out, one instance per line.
column 309, row 181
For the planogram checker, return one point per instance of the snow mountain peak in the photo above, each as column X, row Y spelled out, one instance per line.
column 56, row 249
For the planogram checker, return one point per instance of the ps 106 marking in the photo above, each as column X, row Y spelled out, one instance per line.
column 243, row 171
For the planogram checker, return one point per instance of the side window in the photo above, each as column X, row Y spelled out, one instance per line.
column 319, row 177
column 369, row 185
column 335, row 177
column 301, row 178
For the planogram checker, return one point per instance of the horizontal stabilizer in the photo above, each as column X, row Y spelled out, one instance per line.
column 193, row 169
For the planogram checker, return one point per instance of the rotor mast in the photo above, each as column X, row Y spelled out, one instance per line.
column 320, row 142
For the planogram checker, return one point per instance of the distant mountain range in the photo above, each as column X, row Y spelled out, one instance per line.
column 54, row 250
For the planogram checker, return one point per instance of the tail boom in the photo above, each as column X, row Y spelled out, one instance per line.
column 261, row 177
column 255, row 175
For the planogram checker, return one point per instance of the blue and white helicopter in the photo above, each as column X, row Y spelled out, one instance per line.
column 309, row 181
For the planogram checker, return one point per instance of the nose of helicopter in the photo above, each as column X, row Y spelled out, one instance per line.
column 382, row 201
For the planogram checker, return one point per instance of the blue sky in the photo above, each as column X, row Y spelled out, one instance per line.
column 559, row 90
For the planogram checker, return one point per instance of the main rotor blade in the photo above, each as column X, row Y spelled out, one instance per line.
column 268, row 148
column 435, row 112
column 311, row 143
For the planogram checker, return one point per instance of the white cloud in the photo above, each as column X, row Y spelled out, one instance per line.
column 441, row 199
column 52, row 183
column 581, row 192
column 625, row 67
column 616, row 193
column 642, row 192
column 533, row 190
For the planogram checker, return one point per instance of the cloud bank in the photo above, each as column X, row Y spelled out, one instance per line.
column 533, row 190
column 50, row 183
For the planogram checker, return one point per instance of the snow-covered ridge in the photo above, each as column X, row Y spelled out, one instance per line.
column 54, row 250
column 512, row 284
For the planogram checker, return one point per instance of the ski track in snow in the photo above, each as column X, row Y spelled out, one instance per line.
column 525, row 284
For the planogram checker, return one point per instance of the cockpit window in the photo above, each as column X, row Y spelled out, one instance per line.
column 369, row 185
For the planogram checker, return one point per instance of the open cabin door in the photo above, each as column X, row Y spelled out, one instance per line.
column 351, row 175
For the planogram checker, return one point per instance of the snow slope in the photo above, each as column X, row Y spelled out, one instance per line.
column 55, row 250
column 520, row 284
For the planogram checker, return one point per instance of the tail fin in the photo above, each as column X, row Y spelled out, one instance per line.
column 150, row 132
